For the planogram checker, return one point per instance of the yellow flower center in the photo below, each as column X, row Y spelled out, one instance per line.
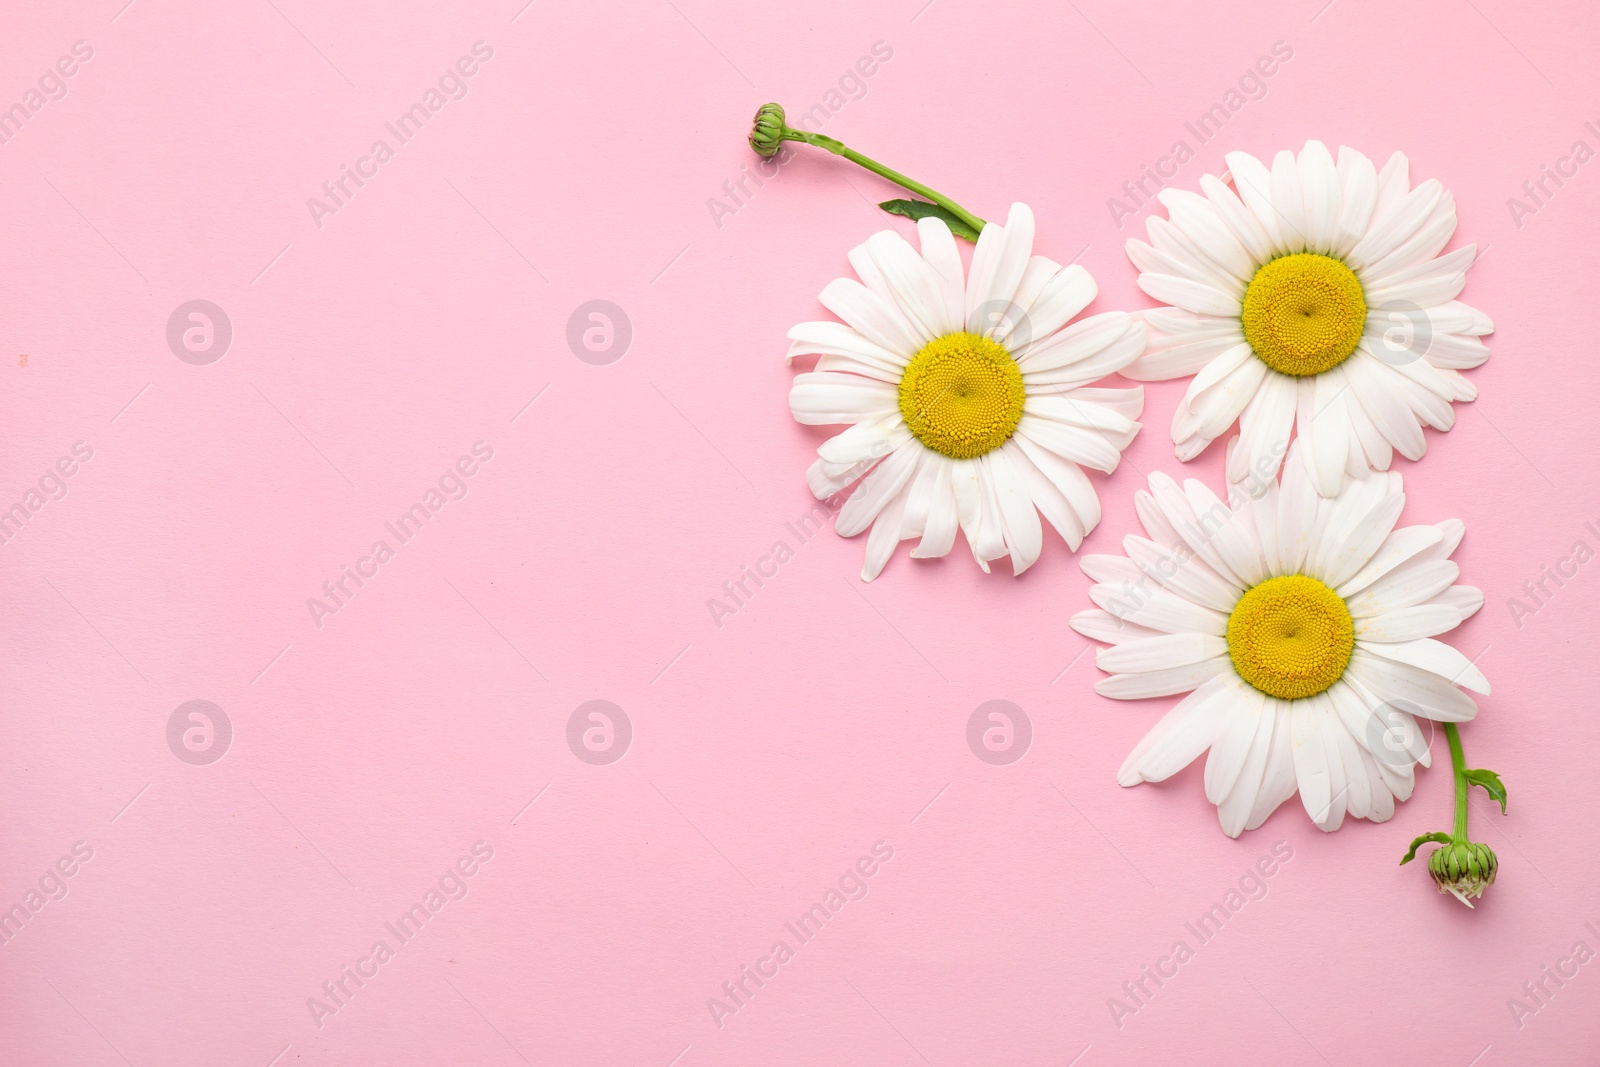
column 1291, row 637
column 962, row 395
column 1304, row 313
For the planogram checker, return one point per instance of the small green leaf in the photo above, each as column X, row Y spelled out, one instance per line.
column 1438, row 836
column 1491, row 784
column 922, row 209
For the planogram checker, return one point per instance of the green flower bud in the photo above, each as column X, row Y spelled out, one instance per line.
column 1464, row 868
column 766, row 133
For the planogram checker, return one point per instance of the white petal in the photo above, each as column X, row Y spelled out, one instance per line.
column 1219, row 394
column 1227, row 531
column 1412, row 583
column 1409, row 624
column 867, row 441
column 1358, row 184
column 1233, row 743
column 1020, row 526
column 1241, row 222
column 1194, row 529
column 1068, row 479
column 1297, row 513
column 919, row 494
column 1069, row 409
column 1077, row 342
column 1415, row 256
column 1313, row 769
column 1254, row 183
column 1373, row 386
column 835, row 338
column 1463, row 598
column 1324, row 427
column 1051, row 501
column 1183, row 573
column 1381, row 808
column 1180, row 360
column 1128, row 403
column 1264, row 426
column 829, row 399
column 1162, row 652
column 998, row 264
column 1411, row 689
column 1063, row 296
column 1435, row 656
column 1352, row 531
column 1357, row 783
column 1394, row 181
column 877, row 489
column 1159, row 610
column 828, row 479
column 1402, row 545
column 1278, row 777
column 1233, row 812
column 1088, row 447
column 1320, row 194
column 872, row 315
column 1392, row 227
column 939, row 249
column 1288, row 202
column 1372, row 449
column 1189, row 294
column 1103, row 626
column 884, row 537
column 1198, row 220
column 939, row 533
column 917, row 288
column 1182, row 734
column 1192, row 267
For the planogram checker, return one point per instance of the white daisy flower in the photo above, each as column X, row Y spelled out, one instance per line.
column 969, row 401
column 1302, row 627
column 1320, row 301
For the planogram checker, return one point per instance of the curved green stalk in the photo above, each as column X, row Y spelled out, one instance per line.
column 771, row 129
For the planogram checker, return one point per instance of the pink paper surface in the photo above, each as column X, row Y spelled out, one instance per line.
column 378, row 341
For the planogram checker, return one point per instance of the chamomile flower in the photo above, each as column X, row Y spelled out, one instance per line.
column 1302, row 628
column 1310, row 294
column 971, row 402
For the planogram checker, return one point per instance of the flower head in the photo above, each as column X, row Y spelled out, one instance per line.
column 971, row 400
column 1310, row 295
column 1302, row 629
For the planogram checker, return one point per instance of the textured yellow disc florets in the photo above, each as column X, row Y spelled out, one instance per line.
column 1304, row 313
column 962, row 395
column 1291, row 637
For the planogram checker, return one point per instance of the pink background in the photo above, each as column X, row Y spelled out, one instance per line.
column 767, row 755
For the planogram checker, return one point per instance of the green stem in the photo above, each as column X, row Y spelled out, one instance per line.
column 1458, row 765
column 840, row 149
